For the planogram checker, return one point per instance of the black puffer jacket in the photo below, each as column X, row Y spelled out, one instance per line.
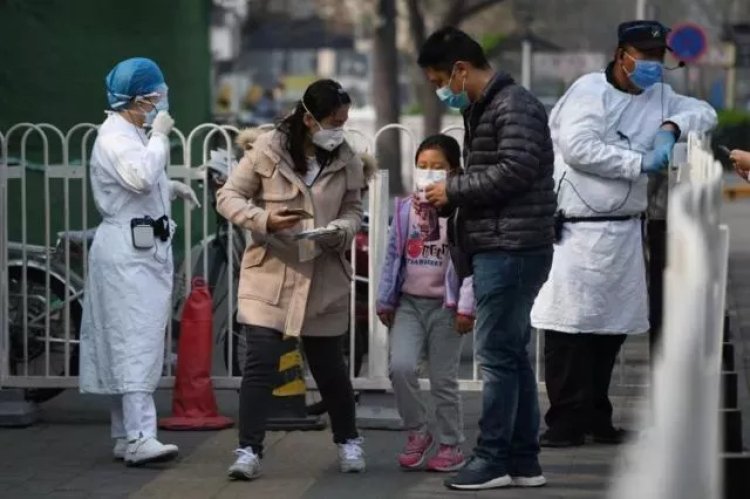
column 506, row 198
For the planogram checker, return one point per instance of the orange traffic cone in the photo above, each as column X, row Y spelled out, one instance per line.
column 193, row 403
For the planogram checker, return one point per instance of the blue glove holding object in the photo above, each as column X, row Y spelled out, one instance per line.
column 664, row 138
column 655, row 160
column 658, row 158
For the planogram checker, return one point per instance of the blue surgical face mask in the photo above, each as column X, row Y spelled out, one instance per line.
column 150, row 115
column 646, row 73
column 457, row 101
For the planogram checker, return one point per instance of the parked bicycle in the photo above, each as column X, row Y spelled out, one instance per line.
column 30, row 305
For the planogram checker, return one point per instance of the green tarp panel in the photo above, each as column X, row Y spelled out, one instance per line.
column 54, row 55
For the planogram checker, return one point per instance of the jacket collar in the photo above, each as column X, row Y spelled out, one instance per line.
column 118, row 122
column 278, row 152
column 499, row 81
column 609, row 73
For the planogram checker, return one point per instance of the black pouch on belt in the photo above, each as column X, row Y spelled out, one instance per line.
column 559, row 221
column 161, row 228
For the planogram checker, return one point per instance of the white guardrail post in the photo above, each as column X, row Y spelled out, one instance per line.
column 678, row 456
column 378, row 240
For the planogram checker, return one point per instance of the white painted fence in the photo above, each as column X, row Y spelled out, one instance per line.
column 41, row 286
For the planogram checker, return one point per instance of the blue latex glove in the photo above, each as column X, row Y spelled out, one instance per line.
column 664, row 139
column 659, row 157
column 655, row 160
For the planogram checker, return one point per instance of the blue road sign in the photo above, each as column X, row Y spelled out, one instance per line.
column 688, row 41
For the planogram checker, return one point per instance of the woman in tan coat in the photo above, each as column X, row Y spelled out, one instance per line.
column 295, row 280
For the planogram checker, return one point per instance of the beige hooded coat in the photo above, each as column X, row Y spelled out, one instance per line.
column 296, row 287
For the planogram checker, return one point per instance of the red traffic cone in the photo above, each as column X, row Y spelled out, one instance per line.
column 193, row 402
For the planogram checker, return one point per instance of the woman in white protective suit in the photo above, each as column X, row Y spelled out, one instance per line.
column 129, row 282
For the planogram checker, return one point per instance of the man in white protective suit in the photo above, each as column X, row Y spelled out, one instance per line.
column 129, row 282
column 610, row 130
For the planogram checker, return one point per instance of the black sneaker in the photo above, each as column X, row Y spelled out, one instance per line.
column 478, row 475
column 527, row 475
column 550, row 439
column 612, row 436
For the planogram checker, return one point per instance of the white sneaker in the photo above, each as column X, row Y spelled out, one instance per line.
column 149, row 450
column 247, row 465
column 529, row 481
column 121, row 447
column 352, row 456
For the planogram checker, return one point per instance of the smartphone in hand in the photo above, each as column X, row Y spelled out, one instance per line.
column 303, row 214
column 724, row 149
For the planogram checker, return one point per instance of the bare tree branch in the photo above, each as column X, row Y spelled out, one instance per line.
column 385, row 90
column 453, row 14
column 461, row 11
column 416, row 23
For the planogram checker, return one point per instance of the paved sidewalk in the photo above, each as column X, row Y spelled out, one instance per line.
column 737, row 216
column 67, row 455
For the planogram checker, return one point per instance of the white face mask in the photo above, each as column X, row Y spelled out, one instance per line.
column 424, row 178
column 328, row 138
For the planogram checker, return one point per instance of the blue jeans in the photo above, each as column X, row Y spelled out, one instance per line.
column 506, row 285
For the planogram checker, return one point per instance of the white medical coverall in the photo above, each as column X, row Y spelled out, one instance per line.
column 597, row 283
column 128, row 290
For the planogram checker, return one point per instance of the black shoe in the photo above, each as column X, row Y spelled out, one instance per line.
column 477, row 475
column 550, row 439
column 612, row 436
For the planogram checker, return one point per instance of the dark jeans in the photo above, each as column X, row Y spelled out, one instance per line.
column 326, row 363
column 577, row 371
column 506, row 285
column 656, row 233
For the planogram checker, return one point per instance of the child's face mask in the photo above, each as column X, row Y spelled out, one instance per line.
column 424, row 178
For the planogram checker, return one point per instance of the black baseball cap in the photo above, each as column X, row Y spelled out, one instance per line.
column 643, row 35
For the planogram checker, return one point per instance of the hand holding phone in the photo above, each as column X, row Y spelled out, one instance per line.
column 724, row 150
column 279, row 220
column 298, row 212
column 741, row 162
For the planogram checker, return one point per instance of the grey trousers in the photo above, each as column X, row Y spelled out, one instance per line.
column 422, row 328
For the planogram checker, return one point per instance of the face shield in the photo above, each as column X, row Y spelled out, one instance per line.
column 158, row 98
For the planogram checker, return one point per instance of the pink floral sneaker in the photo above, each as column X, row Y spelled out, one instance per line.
column 414, row 453
column 448, row 458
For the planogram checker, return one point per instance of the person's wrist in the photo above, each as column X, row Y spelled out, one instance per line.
column 670, row 126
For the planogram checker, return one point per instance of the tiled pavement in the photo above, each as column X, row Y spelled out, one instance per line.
column 737, row 215
column 67, row 455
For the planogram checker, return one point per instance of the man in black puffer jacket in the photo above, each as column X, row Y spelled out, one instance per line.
column 503, row 210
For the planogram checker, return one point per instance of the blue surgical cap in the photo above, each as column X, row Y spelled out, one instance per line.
column 131, row 78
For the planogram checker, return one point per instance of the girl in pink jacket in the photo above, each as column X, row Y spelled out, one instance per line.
column 428, row 311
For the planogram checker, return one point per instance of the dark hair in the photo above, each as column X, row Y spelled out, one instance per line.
column 445, row 144
column 322, row 99
column 447, row 46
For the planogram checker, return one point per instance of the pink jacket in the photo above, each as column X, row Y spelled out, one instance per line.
column 459, row 296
